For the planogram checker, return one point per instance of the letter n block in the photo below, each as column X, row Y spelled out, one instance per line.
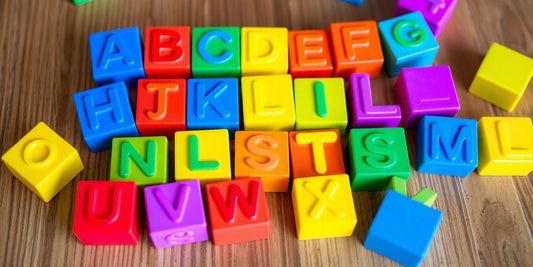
column 238, row 211
column 167, row 52
column 216, row 52
column 435, row 12
column 309, row 54
column 264, row 51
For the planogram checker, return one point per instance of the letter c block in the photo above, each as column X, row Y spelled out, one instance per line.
column 216, row 52
column 264, row 51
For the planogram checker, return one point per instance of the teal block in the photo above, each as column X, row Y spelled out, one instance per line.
column 216, row 52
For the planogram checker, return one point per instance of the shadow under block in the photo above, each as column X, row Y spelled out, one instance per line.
column 43, row 161
column 264, row 155
column 238, row 211
column 175, row 214
column 106, row 213
column 264, row 51
column 216, row 52
column 505, row 146
column 435, row 12
column 167, row 52
column 310, row 54
column 502, row 77
column 323, row 207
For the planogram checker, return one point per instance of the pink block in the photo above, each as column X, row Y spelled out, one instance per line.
column 436, row 12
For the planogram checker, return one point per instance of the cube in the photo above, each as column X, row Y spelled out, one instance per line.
column 167, row 52
column 216, row 52
column 309, row 54
column 264, row 50
column 80, row 2
column 435, row 12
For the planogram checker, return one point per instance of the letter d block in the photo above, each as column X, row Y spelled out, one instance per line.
column 43, row 161
column 216, row 52
column 264, row 51
column 167, row 52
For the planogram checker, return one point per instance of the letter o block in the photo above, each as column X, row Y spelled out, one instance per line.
column 264, row 51
column 216, row 52
column 167, row 52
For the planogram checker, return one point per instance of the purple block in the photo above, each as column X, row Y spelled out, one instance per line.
column 176, row 214
column 426, row 91
column 435, row 12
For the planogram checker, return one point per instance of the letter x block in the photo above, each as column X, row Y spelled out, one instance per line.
column 216, row 52
column 435, row 12
column 167, row 52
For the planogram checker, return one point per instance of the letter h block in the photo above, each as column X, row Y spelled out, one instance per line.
column 309, row 54
column 167, row 52
column 216, row 52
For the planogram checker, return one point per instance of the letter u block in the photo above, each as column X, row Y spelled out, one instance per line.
column 167, row 52
column 264, row 50
column 309, row 54
column 43, row 161
column 216, row 52
column 238, row 211
column 323, row 207
column 435, row 12
column 106, row 213
column 116, row 56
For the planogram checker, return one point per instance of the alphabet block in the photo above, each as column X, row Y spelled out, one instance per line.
column 435, row 12
column 80, row 2
column 264, row 50
column 167, row 52
column 309, row 54
column 216, row 52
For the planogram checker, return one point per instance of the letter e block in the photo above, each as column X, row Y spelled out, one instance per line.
column 309, row 54
column 264, row 51
column 167, row 52
column 216, row 52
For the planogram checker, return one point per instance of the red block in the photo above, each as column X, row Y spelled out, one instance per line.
column 309, row 54
column 167, row 52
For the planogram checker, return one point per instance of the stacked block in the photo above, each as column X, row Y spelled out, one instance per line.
column 435, row 12
column 216, row 52
column 309, row 54
column 167, row 52
column 264, row 50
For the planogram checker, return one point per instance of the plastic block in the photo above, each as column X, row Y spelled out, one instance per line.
column 238, row 211
column 216, row 52
column 264, row 155
column 375, row 155
column 116, row 56
column 213, row 103
column 398, row 185
column 435, row 12
column 323, row 207
column 354, row 2
column 402, row 229
column 425, row 196
column 202, row 155
column 43, row 161
column 160, row 107
column 446, row 146
column 309, row 54
column 105, row 112
column 505, row 146
column 502, row 77
column 264, row 50
column 167, row 52
column 356, row 48
column 80, row 2
column 364, row 114
column 407, row 42
column 175, row 214
column 268, row 103
column 316, row 153
column 106, row 213
column 426, row 91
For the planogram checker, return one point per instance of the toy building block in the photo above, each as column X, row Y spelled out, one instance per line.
column 105, row 112
column 398, row 185
column 426, row 91
column 203, row 155
column 175, row 214
column 213, row 103
column 264, row 51
column 407, row 42
column 216, row 52
column 238, row 211
column 80, row 2
column 425, row 196
column 364, row 114
column 375, row 155
column 505, row 146
column 309, row 54
column 43, row 161
column 264, row 155
column 323, row 207
column 446, row 146
column 316, row 153
column 167, row 52
column 268, row 103
column 502, row 77
column 354, row 2
column 116, row 56
column 160, row 107
column 356, row 48
column 435, row 12
column 142, row 160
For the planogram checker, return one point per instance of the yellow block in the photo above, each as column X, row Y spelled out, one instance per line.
column 43, row 161
column 323, row 207
column 268, row 103
column 505, row 146
column 264, row 51
column 502, row 77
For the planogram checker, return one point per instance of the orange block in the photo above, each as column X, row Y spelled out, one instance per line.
column 309, row 54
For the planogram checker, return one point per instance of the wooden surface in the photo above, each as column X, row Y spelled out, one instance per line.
column 44, row 60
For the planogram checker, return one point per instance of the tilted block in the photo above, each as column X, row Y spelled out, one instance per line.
column 354, row 2
column 264, row 51
column 435, row 12
column 309, row 54
column 216, row 52
column 167, row 52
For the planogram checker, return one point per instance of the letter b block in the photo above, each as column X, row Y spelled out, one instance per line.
column 216, row 52
column 167, row 52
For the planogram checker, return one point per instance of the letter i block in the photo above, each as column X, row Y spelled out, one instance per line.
column 216, row 52
column 323, row 207
column 105, row 112
column 264, row 50
column 309, row 54
column 407, row 42
column 265, row 155
column 505, row 146
column 375, row 155
column 167, row 52
column 106, row 213
column 238, row 211
column 43, row 161
column 175, row 214
column 116, row 56
column 435, row 12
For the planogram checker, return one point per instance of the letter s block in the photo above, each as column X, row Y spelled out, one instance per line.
column 167, row 52
column 264, row 51
column 216, row 52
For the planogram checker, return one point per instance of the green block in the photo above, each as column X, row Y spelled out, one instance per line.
column 375, row 155
column 398, row 185
column 425, row 196
column 216, row 52
column 80, row 2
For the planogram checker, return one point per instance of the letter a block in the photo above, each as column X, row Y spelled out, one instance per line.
column 238, row 211
column 216, row 52
column 264, row 51
column 435, row 12
column 167, row 52
column 309, row 54
column 43, row 161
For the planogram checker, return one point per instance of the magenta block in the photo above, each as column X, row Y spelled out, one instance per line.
column 435, row 12
column 426, row 91
column 176, row 214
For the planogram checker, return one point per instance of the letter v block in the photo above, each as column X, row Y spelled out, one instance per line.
column 167, row 52
column 238, row 211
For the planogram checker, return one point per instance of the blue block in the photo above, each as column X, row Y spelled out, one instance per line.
column 354, row 2
column 407, row 41
column 116, row 56
column 105, row 112
column 213, row 103
column 402, row 229
column 446, row 146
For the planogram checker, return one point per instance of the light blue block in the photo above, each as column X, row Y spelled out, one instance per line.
column 354, row 2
